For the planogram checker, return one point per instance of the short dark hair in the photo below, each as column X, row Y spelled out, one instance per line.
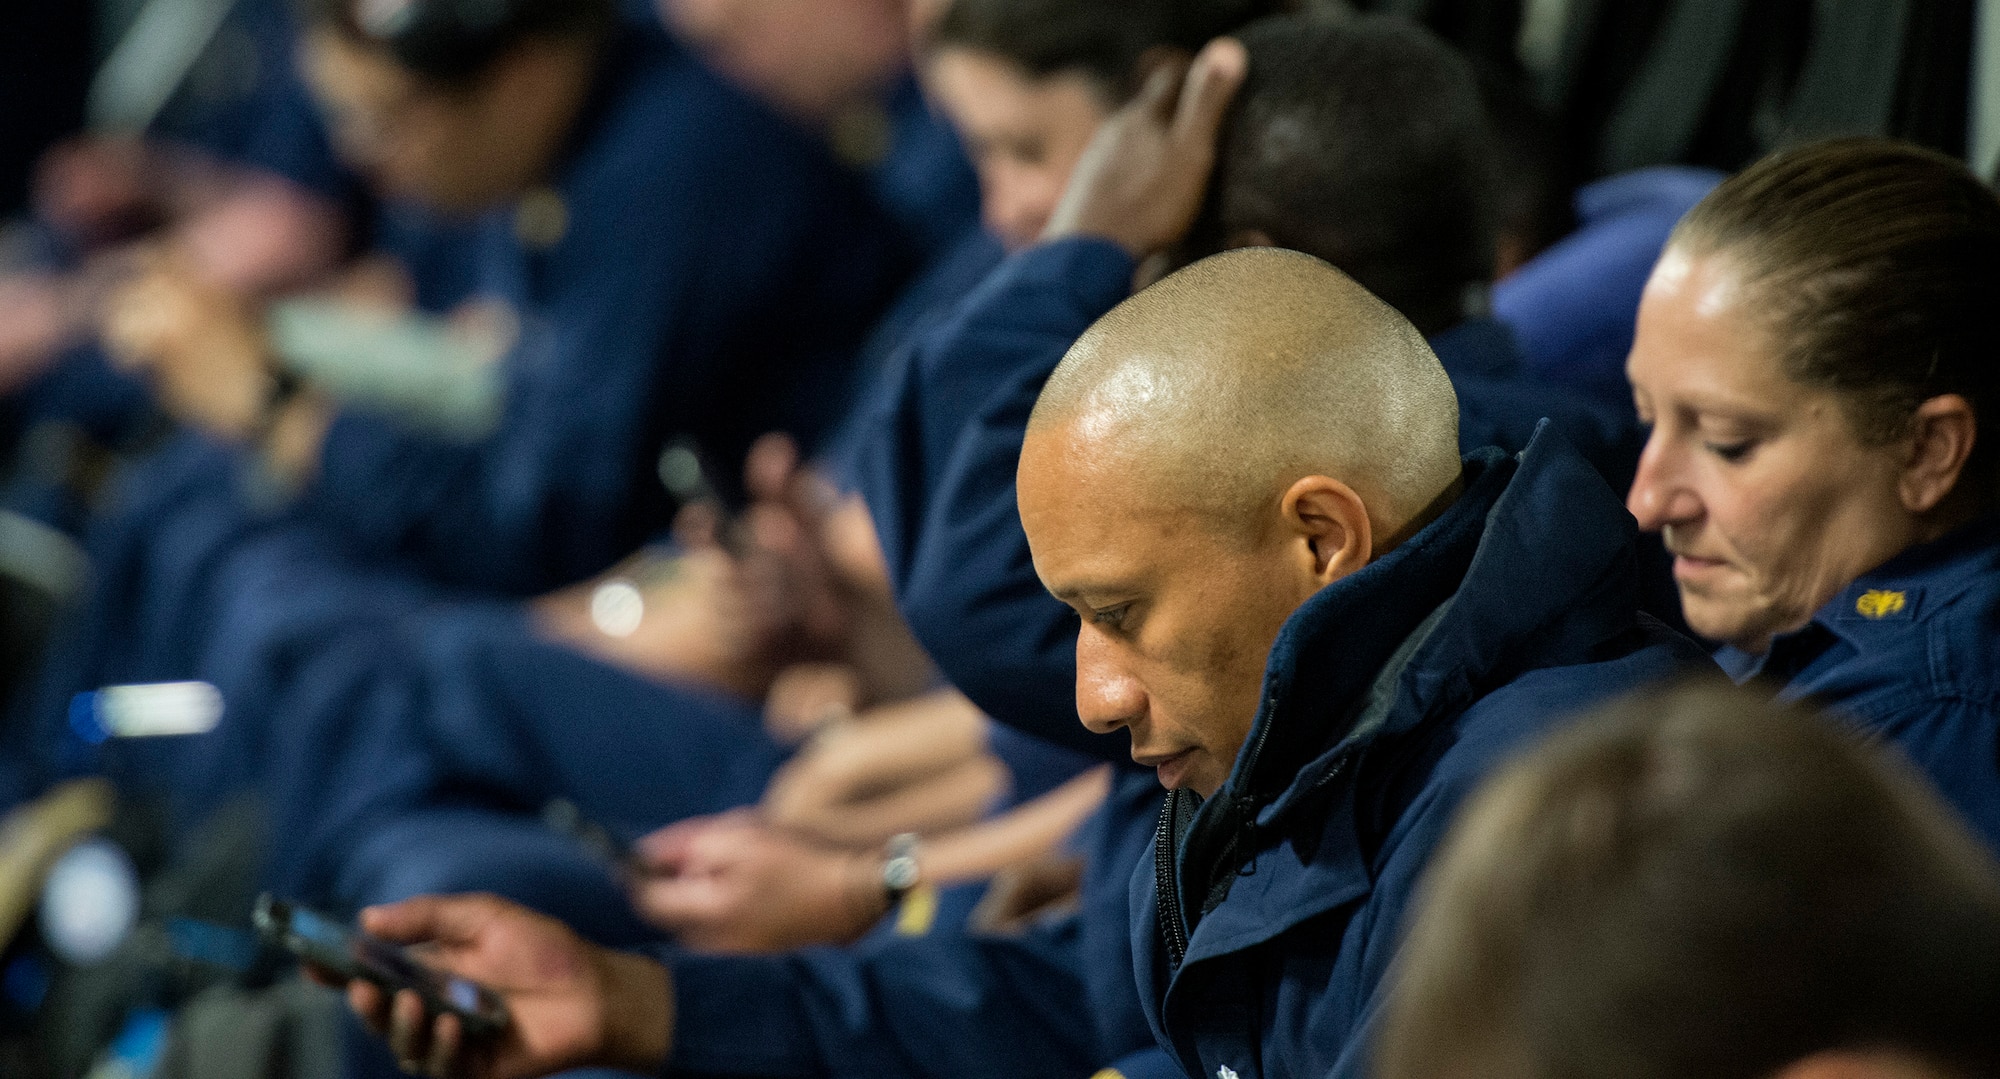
column 1362, row 140
column 454, row 41
column 1697, row 885
column 1102, row 40
column 1876, row 264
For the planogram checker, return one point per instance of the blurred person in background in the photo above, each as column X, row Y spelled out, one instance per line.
column 1815, row 359
column 1695, row 884
column 639, row 221
column 844, row 68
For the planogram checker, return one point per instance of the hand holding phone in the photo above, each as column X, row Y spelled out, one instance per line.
column 351, row 955
column 569, row 1003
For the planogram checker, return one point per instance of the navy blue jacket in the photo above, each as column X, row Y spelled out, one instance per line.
column 717, row 271
column 1057, row 999
column 939, row 472
column 1908, row 653
column 1265, row 919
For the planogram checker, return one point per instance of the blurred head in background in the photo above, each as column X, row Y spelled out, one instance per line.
column 811, row 58
column 1027, row 82
column 455, row 104
column 1815, row 355
column 1697, row 886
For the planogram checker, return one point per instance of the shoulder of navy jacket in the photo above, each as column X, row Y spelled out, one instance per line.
column 1095, row 269
column 1917, row 584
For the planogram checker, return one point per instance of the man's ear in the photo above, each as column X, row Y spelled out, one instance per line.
column 1333, row 524
column 1942, row 435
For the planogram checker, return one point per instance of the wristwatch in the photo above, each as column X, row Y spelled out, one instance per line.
column 900, row 872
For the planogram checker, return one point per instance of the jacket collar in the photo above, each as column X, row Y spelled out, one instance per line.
column 1480, row 346
column 1497, row 601
column 1906, row 589
column 1530, row 568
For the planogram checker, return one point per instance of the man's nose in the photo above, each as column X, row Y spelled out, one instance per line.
column 1107, row 697
column 1659, row 497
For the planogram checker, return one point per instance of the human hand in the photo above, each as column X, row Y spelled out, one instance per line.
column 570, row 1004
column 262, row 235
column 97, row 189
column 200, row 346
column 692, row 617
column 735, row 884
column 805, row 697
column 1144, row 178
column 916, row 766
column 33, row 327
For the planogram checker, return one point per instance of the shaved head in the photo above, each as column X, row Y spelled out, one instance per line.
column 1206, row 459
column 1225, row 382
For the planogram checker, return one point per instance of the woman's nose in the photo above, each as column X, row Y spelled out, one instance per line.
column 1658, row 498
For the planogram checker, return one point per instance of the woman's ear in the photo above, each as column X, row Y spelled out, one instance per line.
column 1332, row 524
column 1942, row 436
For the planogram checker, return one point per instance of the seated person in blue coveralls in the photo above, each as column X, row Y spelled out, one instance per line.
column 569, row 124
column 676, row 214
column 1815, row 354
column 1699, row 887
column 239, row 185
column 1409, row 622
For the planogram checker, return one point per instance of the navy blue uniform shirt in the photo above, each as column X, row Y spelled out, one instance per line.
column 1910, row 653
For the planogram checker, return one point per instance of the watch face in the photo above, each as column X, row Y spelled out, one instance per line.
column 900, row 874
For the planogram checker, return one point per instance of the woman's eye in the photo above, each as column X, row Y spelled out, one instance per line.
column 1112, row 617
column 1732, row 452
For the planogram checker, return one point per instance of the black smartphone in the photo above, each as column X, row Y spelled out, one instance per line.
column 350, row 954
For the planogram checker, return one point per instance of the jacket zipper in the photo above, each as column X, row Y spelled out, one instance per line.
column 1166, row 882
column 1173, row 921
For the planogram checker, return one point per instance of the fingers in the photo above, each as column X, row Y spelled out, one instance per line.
column 770, row 466
column 447, row 1037
column 371, row 1004
column 445, row 919
column 667, row 850
column 1211, row 84
column 1162, row 88
column 410, row 1032
column 698, row 526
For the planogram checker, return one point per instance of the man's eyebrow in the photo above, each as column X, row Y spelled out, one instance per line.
column 1074, row 593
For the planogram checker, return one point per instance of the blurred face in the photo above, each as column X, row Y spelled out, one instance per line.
column 1024, row 135
column 1178, row 618
column 454, row 150
column 1768, row 499
column 808, row 56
